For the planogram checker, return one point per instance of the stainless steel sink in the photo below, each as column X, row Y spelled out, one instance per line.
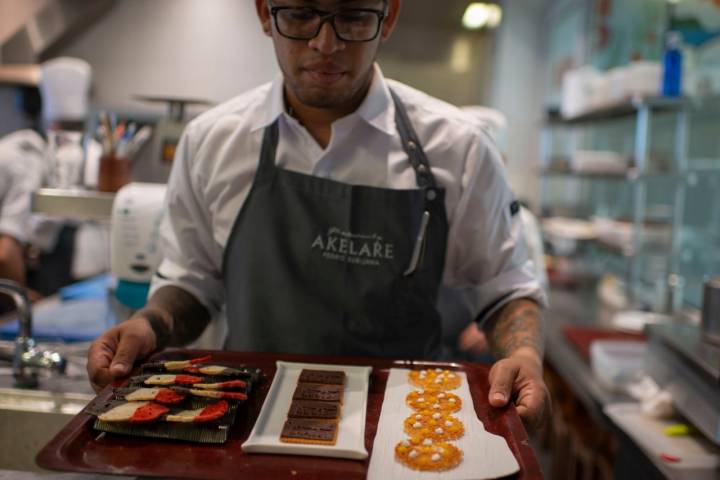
column 29, row 419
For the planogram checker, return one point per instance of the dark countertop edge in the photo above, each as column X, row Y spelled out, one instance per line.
column 577, row 308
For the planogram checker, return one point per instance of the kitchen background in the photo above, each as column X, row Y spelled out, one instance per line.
column 626, row 182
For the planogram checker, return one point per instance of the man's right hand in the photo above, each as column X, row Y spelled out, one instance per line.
column 114, row 353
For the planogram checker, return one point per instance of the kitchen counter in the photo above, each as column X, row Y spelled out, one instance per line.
column 578, row 309
column 15, row 475
column 581, row 309
column 687, row 342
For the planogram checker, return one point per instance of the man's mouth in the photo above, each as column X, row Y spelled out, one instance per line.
column 325, row 74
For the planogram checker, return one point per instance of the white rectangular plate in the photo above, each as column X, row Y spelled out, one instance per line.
column 265, row 435
column 486, row 455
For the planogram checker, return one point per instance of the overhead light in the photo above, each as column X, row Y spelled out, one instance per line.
column 479, row 15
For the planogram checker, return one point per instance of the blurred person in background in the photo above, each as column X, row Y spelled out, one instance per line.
column 22, row 170
column 36, row 252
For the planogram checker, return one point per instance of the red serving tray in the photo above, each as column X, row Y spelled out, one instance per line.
column 79, row 448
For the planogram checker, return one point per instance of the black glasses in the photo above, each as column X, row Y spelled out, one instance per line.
column 351, row 25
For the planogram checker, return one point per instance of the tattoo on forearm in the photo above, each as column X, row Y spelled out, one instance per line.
column 189, row 316
column 517, row 325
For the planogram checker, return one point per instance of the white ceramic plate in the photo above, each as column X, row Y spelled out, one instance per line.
column 265, row 435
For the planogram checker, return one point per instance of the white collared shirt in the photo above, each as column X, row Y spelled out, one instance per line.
column 218, row 155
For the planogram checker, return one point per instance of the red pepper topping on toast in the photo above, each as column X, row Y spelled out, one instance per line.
column 148, row 413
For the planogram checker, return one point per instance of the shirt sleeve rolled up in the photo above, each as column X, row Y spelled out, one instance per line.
column 192, row 259
column 487, row 254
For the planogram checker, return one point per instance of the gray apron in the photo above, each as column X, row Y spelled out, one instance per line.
column 317, row 266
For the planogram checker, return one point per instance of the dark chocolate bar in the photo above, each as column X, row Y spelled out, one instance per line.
column 312, row 409
column 325, row 377
column 323, row 393
column 303, row 430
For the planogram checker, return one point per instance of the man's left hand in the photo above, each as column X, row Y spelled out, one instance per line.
column 518, row 378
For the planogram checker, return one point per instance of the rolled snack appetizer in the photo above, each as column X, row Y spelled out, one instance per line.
column 209, row 413
column 218, row 394
column 166, row 396
column 196, row 392
column 250, row 374
column 176, row 365
column 229, row 385
column 166, row 380
column 134, row 412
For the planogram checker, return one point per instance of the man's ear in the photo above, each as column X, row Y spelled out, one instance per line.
column 263, row 13
column 393, row 12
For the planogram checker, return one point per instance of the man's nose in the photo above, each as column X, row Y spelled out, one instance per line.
column 326, row 41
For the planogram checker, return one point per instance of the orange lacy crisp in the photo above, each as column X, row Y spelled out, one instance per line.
column 444, row 402
column 437, row 379
column 434, row 425
column 427, row 455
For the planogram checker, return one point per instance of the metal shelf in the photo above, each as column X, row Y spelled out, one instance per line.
column 75, row 204
column 703, row 165
column 626, row 251
column 574, row 174
column 626, row 109
column 20, row 74
column 631, row 174
column 643, row 169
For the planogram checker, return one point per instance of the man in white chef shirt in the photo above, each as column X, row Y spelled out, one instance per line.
column 27, row 163
column 73, row 160
column 21, row 172
column 324, row 209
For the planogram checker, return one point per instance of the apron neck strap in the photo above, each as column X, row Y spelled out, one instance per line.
column 408, row 137
column 412, row 146
column 268, row 151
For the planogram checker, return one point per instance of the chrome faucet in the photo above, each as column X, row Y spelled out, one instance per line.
column 27, row 358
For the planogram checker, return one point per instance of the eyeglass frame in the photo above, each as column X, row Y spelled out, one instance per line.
column 328, row 17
